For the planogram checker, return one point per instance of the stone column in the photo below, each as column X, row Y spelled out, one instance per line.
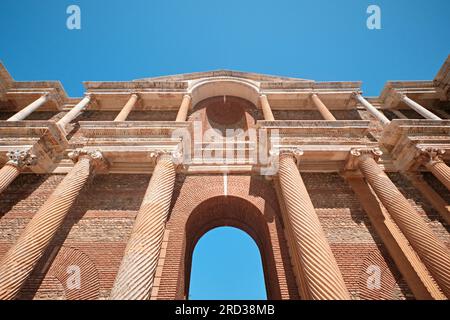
column 184, row 108
column 18, row 263
column 430, row 249
column 326, row 114
column 322, row 277
column 72, row 114
column 17, row 161
column 418, row 108
column 134, row 280
column 122, row 116
column 377, row 114
column 431, row 159
column 265, row 106
column 25, row 112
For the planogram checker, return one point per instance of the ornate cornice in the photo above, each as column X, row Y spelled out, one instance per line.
column 96, row 156
column 429, row 155
column 21, row 158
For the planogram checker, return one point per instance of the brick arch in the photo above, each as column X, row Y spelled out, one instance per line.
column 89, row 284
column 387, row 283
column 258, row 193
column 225, row 112
column 234, row 212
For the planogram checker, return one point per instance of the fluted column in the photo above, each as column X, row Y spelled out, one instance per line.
column 72, row 114
column 431, row 159
column 134, row 279
column 377, row 114
column 18, row 159
column 418, row 108
column 326, row 114
column 265, row 106
column 430, row 249
column 122, row 116
column 18, row 263
column 323, row 279
column 184, row 108
column 25, row 112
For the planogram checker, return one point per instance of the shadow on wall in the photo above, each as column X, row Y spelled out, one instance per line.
column 102, row 193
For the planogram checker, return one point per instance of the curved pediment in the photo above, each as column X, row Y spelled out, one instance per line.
column 258, row 77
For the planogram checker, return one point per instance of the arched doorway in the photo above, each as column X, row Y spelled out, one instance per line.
column 234, row 272
column 238, row 213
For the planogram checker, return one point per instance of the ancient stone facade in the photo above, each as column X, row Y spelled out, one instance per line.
column 105, row 196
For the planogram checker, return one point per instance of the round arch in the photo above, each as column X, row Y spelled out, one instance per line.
column 235, row 212
column 224, row 86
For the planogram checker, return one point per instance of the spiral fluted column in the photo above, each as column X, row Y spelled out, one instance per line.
column 20, row 260
column 431, row 158
column 441, row 171
column 134, row 279
column 321, row 273
column 430, row 249
column 17, row 161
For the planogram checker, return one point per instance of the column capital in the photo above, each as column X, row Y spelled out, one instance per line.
column 21, row 158
column 135, row 94
column 294, row 152
column 356, row 154
column 100, row 164
column 429, row 155
column 176, row 156
column 356, row 94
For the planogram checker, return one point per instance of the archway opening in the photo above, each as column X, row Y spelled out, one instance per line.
column 235, row 272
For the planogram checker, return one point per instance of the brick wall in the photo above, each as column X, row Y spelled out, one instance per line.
column 94, row 235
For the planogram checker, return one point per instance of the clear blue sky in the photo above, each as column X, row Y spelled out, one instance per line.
column 323, row 40
column 227, row 265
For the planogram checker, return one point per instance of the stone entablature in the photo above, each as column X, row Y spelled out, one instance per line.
column 402, row 138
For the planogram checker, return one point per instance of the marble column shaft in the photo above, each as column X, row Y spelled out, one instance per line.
column 184, row 108
column 326, row 114
column 18, row 263
column 122, row 116
column 321, row 273
column 434, row 254
column 134, row 280
column 265, row 106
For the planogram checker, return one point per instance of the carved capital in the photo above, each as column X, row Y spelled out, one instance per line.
column 429, row 155
column 357, row 154
column 176, row 156
column 92, row 100
column 99, row 162
column 294, row 152
column 21, row 158
column 356, row 94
